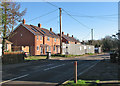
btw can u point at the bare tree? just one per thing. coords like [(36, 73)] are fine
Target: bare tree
[(10, 15), (15, 14)]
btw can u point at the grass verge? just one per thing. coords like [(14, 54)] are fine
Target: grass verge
[(35, 57), (81, 83), (53, 56)]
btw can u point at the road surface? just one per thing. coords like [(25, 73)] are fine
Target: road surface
[(46, 72)]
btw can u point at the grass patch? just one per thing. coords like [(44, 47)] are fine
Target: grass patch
[(35, 57), (82, 83), (90, 54), (60, 55), (53, 56)]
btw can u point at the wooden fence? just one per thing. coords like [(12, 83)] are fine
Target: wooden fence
[(13, 57)]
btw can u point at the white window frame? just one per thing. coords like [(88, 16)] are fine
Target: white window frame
[(55, 39), (54, 48), (37, 38), (41, 48), (48, 38), (37, 48), (40, 38)]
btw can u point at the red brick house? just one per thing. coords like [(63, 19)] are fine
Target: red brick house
[(69, 40), (39, 40)]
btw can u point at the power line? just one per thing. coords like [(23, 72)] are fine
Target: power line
[(76, 19), (52, 19), (69, 15), (51, 4), (103, 18), (42, 15), (94, 16)]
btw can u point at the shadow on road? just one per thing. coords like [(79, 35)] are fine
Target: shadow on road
[(103, 71)]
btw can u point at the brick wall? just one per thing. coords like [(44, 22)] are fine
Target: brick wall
[(38, 43), (23, 37)]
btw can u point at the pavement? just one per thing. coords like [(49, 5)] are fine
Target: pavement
[(47, 72)]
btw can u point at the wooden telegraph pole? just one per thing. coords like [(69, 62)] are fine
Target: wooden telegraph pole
[(60, 33), (75, 72)]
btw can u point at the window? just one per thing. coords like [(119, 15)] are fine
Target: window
[(50, 33), (34, 29), (40, 37), (41, 50), (43, 31), (54, 48), (37, 47), (37, 38), (55, 39), (66, 42), (80, 48), (49, 48), (45, 49), (48, 38)]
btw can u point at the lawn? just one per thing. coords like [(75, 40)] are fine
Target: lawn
[(35, 57), (53, 56), (81, 83)]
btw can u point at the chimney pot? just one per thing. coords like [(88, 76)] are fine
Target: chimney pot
[(67, 34), (23, 21), (51, 29), (72, 35), (62, 33), (39, 25)]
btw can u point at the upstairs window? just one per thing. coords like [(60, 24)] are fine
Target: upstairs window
[(66, 42), (55, 40), (43, 31), (54, 48), (37, 48), (34, 29), (40, 37), (48, 38), (37, 38)]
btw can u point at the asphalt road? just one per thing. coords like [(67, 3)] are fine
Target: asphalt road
[(45, 72)]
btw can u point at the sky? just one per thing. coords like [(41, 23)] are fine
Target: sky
[(78, 18)]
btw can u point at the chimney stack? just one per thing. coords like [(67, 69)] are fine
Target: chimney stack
[(23, 21), (67, 34), (72, 35), (39, 25), (62, 33), (51, 29)]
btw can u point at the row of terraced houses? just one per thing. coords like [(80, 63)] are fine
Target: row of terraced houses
[(39, 40)]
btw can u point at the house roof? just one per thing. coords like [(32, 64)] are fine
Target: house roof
[(8, 42), (75, 39), (41, 31), (32, 29), (72, 39)]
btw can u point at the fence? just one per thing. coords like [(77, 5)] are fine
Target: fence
[(77, 49), (13, 57)]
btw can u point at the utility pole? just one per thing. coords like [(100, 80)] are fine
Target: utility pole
[(91, 36), (60, 33), (119, 46)]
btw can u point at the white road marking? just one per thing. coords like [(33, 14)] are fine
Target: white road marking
[(14, 79), (88, 68), (53, 67)]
